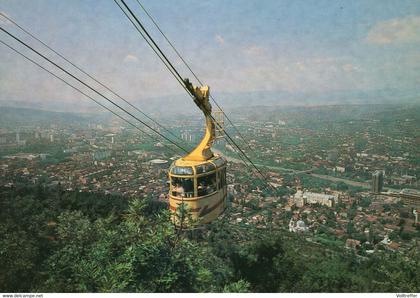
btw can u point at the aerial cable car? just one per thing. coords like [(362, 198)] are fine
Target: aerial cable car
[(198, 180)]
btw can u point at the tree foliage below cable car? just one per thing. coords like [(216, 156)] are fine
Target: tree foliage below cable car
[(56, 241)]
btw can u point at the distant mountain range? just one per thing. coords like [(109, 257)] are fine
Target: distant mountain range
[(283, 98), (182, 104), (12, 117)]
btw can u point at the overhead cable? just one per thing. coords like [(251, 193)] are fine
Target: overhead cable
[(91, 88), (178, 77), (87, 74), (80, 91), (192, 72)]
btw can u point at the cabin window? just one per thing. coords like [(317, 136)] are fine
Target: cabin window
[(219, 162), (204, 168), (206, 184), (223, 177), (182, 187), (182, 171)]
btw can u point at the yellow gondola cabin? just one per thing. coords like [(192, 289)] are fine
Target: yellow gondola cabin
[(198, 180)]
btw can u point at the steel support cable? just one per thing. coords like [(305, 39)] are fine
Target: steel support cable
[(80, 91), (159, 53), (151, 39), (164, 60), (265, 180), (91, 88), (178, 77), (192, 72), (154, 47), (90, 76)]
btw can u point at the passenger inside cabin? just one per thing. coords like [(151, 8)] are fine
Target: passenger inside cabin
[(182, 187), (178, 190)]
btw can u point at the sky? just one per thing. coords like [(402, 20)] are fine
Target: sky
[(234, 46)]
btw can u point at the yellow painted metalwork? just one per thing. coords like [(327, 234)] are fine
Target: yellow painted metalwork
[(219, 117), (201, 208), (203, 152), (198, 180)]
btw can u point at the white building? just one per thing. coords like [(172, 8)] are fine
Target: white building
[(302, 198), (297, 226), (340, 169)]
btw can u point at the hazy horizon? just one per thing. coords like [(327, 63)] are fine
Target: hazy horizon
[(275, 52)]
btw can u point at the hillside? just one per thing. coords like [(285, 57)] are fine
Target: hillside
[(14, 116)]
